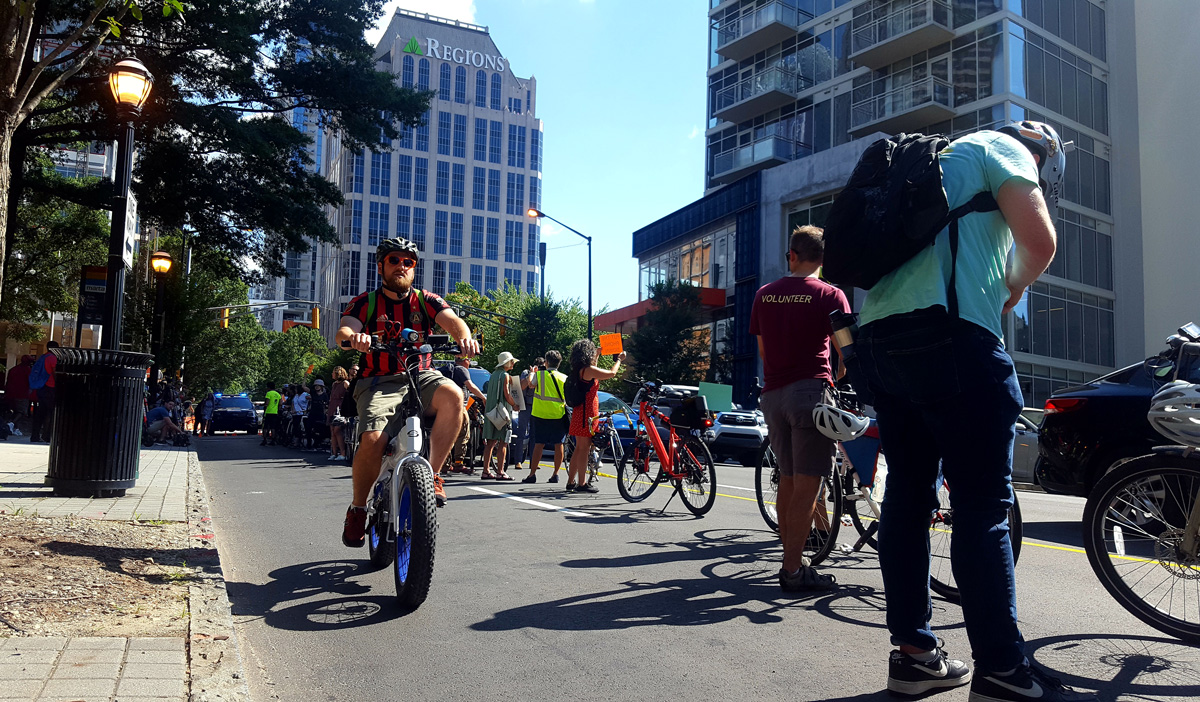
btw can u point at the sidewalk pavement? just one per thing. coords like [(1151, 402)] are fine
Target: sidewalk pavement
[(160, 493), (101, 669)]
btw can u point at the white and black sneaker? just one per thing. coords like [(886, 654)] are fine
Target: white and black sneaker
[(1025, 684), (909, 676)]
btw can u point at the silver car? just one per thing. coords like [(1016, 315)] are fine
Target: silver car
[(1025, 450)]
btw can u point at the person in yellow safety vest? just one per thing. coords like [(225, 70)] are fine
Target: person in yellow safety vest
[(550, 419)]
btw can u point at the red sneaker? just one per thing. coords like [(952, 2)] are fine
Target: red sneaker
[(354, 530), (439, 491)]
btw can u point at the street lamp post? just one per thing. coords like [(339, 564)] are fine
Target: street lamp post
[(537, 214), (130, 83), (542, 261), (161, 263)]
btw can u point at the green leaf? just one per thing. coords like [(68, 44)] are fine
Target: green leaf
[(135, 11)]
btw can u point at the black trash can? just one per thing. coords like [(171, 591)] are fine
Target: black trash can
[(97, 428)]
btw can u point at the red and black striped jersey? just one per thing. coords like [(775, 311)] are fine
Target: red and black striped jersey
[(407, 312)]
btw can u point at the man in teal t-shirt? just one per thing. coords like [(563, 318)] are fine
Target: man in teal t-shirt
[(946, 399)]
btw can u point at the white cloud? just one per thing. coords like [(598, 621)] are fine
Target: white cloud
[(696, 131), (462, 10)]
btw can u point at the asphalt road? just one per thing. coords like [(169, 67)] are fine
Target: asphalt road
[(591, 597)]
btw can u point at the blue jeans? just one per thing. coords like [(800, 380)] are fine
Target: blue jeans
[(946, 397)]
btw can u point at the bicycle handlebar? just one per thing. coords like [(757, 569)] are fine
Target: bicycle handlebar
[(410, 342)]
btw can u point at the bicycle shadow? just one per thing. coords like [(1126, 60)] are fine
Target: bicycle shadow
[(355, 608), (1068, 533), (1121, 666)]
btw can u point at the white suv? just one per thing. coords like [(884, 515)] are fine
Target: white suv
[(738, 434)]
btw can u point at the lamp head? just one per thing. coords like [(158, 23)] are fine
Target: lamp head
[(534, 213), (161, 262), (130, 83)]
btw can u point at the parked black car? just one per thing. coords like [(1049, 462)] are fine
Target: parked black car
[(234, 413), (1089, 427)]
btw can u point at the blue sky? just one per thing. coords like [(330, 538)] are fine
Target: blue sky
[(621, 90)]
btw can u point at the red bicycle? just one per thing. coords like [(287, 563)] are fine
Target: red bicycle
[(683, 460)]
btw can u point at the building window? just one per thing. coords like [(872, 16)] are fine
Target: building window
[(423, 75), (493, 201), (535, 149), (476, 237), (460, 85), (535, 192), (418, 224), (479, 188), (493, 239), (496, 91), (377, 223), (530, 282), (419, 275), (1084, 251), (350, 266), (372, 276), (516, 146), (439, 277), (443, 133), (381, 174), (353, 222), (403, 221), (1058, 322), (442, 184), (489, 280), (456, 234), (512, 278), (406, 75), (457, 184), (423, 133), (454, 276), (406, 136), (531, 258), (481, 135), (441, 226), (516, 194), (354, 173), (421, 179), (404, 177), (494, 145), (460, 136), (481, 89), (444, 82), (477, 277)]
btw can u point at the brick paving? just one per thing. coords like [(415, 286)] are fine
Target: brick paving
[(93, 669)]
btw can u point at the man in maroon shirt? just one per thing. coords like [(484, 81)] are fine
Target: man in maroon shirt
[(790, 317), (16, 388), (383, 385)]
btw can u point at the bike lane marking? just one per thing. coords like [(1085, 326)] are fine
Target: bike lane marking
[(719, 494), (535, 503)]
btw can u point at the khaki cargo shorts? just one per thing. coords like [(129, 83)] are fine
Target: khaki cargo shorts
[(799, 446), (379, 396)]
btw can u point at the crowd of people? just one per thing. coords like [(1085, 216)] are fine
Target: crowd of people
[(309, 415)]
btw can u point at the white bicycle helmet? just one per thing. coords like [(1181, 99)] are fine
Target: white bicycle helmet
[(1175, 412), (838, 424), (1048, 146)]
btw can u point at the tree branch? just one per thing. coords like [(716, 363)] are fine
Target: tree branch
[(25, 97)]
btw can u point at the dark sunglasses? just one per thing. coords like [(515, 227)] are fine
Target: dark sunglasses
[(404, 261)]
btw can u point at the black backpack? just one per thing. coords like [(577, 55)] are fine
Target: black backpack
[(893, 206), (575, 390)]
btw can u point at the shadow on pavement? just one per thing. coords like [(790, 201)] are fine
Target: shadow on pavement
[(1120, 666), (1065, 533), (354, 608)]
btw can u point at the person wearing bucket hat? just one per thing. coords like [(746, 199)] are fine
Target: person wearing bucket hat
[(398, 304), (497, 437)]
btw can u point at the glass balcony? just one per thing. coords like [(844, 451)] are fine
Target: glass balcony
[(892, 31), (767, 25), (761, 92), (906, 108), (767, 152)]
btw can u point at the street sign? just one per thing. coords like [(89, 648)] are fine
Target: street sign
[(93, 282), (130, 230)]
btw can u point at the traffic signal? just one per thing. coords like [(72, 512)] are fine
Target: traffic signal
[(225, 318), (503, 325), (316, 318)]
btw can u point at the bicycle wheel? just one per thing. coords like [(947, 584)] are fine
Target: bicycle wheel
[(637, 474), (416, 534), (766, 486), (827, 519), (380, 526), (941, 529), (1135, 524), (698, 486)]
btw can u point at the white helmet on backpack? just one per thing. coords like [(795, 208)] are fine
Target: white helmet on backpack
[(1048, 146), (1175, 412), (838, 424)]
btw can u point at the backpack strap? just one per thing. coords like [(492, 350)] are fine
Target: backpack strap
[(370, 307), (982, 202)]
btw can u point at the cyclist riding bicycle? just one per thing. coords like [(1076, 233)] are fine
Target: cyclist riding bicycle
[(396, 305)]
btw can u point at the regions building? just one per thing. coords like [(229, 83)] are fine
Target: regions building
[(798, 88)]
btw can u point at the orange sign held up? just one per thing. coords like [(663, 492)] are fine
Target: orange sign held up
[(610, 344)]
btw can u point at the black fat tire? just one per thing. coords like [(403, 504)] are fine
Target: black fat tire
[(381, 523), (766, 486), (830, 497), (628, 470), (413, 591), (1185, 474), (707, 474), (941, 579)]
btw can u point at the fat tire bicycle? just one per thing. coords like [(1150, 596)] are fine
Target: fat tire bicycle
[(402, 511), (1141, 524), (684, 461), (852, 495)]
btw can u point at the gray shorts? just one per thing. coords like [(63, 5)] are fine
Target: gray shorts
[(799, 447)]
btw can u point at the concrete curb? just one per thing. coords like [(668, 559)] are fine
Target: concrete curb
[(215, 659)]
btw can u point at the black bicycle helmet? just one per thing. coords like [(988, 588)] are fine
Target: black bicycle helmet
[(397, 244)]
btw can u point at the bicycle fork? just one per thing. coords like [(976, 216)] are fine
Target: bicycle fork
[(408, 447)]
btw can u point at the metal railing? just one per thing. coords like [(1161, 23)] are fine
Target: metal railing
[(902, 99), (872, 29), (775, 11), (764, 149), (775, 78)]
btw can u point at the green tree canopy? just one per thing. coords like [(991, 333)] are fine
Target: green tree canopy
[(666, 346), (292, 352)]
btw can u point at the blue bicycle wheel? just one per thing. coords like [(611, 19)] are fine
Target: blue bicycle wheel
[(416, 535)]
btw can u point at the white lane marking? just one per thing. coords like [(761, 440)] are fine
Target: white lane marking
[(535, 503), (734, 487)]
